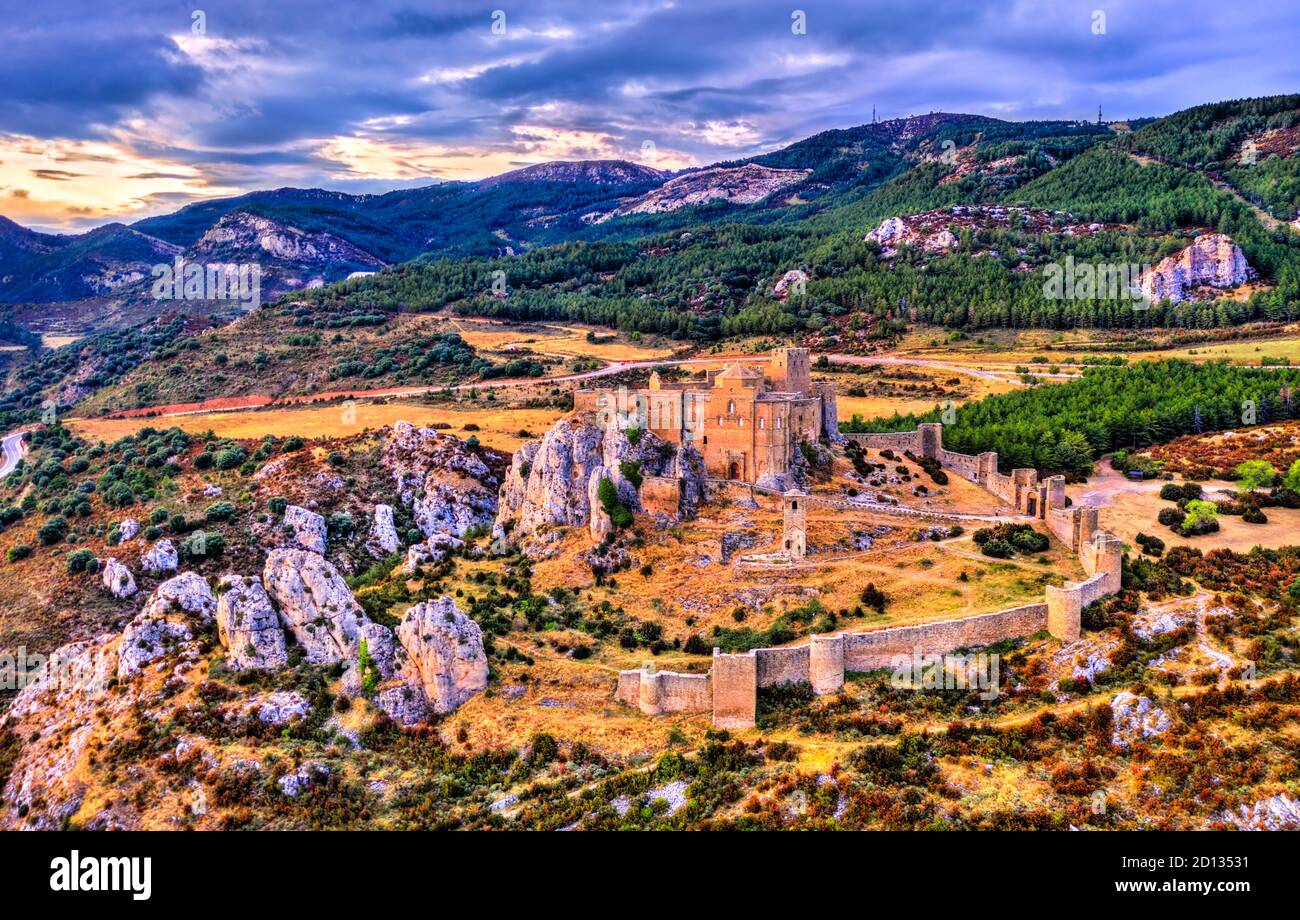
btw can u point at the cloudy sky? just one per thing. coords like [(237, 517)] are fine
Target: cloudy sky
[(115, 111)]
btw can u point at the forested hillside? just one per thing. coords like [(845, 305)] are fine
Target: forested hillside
[(1065, 426), (709, 280)]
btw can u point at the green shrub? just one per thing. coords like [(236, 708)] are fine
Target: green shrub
[(21, 551), (81, 560)]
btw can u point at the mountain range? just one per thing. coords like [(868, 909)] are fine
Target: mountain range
[(304, 238)]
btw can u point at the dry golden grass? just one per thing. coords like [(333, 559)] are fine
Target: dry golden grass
[(499, 427), (569, 340)]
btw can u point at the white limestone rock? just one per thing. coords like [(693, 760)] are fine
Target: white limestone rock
[(279, 707), (248, 625), (448, 487), (434, 549), (445, 657), (185, 593), (315, 605), (147, 638), (1212, 259), (383, 535), (308, 529), (1135, 718), (161, 557), (117, 578), (127, 530)]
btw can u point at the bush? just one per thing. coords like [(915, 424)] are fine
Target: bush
[(1254, 516), (292, 444), (277, 505), (81, 560), (998, 549), (53, 530), (1152, 546), (1171, 517), (203, 461), (230, 458), (203, 545), (219, 511), (21, 551)]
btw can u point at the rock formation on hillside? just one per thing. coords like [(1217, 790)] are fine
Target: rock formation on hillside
[(447, 486), (932, 231), (793, 279), (745, 184), (240, 236), (315, 604), (444, 654), (383, 535), (248, 626), (117, 578), (308, 529), (1212, 259), (161, 557), (552, 483)]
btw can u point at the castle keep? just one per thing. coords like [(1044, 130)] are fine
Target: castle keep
[(746, 422)]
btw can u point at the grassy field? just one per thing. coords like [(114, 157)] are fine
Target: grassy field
[(567, 340), (499, 427)]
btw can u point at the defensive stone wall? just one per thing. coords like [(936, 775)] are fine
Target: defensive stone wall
[(877, 649), (657, 692), (782, 665), (661, 495), (731, 687)]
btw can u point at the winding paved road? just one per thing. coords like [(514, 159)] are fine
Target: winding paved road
[(14, 449)]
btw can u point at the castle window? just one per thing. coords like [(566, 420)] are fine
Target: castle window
[(731, 408), (762, 423), (778, 422)]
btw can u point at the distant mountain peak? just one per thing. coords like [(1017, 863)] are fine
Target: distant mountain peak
[(599, 172)]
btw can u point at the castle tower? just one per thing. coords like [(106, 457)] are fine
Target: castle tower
[(790, 370), (794, 531)]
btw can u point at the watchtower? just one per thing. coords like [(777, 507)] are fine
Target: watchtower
[(794, 531)]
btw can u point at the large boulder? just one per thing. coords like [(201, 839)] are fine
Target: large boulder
[(383, 535), (127, 530), (447, 486), (306, 529), (434, 549), (444, 654), (162, 626), (186, 593), (161, 557), (315, 605), (117, 578), (248, 625)]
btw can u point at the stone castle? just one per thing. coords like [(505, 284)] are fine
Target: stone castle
[(730, 689), (746, 422)]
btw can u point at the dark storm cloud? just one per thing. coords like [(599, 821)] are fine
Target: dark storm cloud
[(253, 101)]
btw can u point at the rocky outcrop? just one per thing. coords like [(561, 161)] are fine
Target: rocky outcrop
[(895, 232), (117, 578), (553, 483), (745, 184), (1279, 813), (794, 280), (383, 535), (248, 625), (163, 625), (445, 658), (161, 557), (187, 593), (147, 638), (306, 529), (127, 530), (1136, 718), (447, 486), (315, 605), (1212, 260), (434, 549)]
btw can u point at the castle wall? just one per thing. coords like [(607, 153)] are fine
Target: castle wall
[(657, 692), (661, 495), (735, 690), (896, 441), (872, 650), (964, 465), (781, 665)]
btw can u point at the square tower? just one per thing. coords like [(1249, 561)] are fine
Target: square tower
[(789, 370)]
